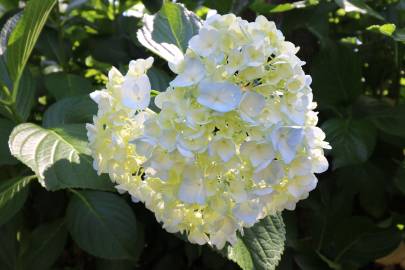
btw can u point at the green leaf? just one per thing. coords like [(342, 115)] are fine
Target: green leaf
[(358, 6), (53, 46), (112, 222), (9, 4), (359, 241), (240, 254), (13, 194), (368, 182), (6, 126), (20, 39), (72, 110), (386, 29), (167, 33), (45, 246), (159, 79), (261, 246), (23, 38), (59, 156), (61, 85), (25, 99), (389, 119), (352, 141), (336, 73)]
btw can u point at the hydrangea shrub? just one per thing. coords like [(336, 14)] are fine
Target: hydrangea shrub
[(235, 138)]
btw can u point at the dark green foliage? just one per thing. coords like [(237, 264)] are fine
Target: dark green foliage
[(52, 56)]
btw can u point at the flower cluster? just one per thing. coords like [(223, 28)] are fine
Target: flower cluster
[(235, 139)]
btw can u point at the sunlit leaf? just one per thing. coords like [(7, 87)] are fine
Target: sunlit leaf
[(386, 29), (59, 156), (167, 32)]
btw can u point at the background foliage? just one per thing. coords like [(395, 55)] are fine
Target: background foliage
[(52, 54)]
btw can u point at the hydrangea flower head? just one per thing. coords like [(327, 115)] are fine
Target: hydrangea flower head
[(235, 139)]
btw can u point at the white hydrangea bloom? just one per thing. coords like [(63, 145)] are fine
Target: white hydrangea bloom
[(235, 140)]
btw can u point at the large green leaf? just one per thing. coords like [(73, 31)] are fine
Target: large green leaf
[(336, 73), (59, 156), (102, 224), (390, 119), (61, 85), (359, 241), (261, 246), (23, 38), (17, 40), (13, 194), (73, 110), (167, 33), (44, 246), (352, 141), (6, 126), (25, 99)]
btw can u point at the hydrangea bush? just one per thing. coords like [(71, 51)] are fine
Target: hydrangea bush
[(235, 139), (216, 137)]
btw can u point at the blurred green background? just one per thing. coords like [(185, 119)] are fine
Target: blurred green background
[(354, 51)]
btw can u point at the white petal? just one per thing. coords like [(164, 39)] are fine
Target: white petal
[(252, 104), (197, 237), (192, 187), (205, 42), (184, 152), (257, 153), (248, 212), (319, 164), (219, 96), (193, 73), (286, 141), (168, 140), (135, 92), (272, 174), (143, 147), (262, 191), (140, 66)]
